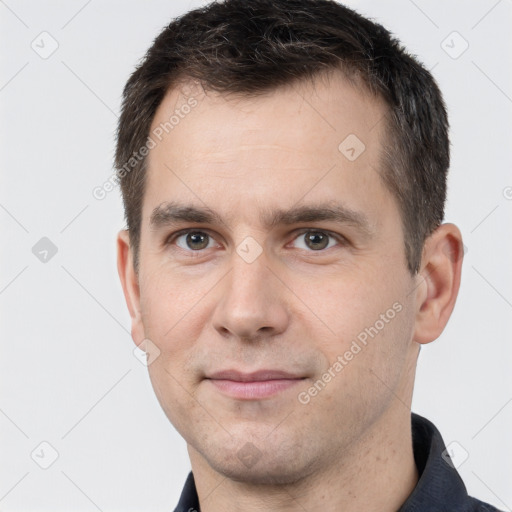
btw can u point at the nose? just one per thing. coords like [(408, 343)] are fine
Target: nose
[(252, 301)]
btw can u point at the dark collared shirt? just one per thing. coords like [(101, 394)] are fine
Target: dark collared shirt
[(439, 488)]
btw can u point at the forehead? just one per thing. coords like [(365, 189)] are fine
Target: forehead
[(324, 110), (284, 139)]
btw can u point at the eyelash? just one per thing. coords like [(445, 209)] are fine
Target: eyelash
[(342, 241)]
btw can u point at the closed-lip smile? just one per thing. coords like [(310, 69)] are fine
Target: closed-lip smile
[(253, 385)]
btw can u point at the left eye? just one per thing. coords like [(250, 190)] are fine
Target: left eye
[(315, 240)]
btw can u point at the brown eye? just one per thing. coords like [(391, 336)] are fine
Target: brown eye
[(316, 240), (197, 240), (193, 240)]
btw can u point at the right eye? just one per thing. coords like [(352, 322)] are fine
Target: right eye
[(192, 240)]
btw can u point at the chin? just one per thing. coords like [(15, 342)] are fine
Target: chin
[(264, 474), (277, 466)]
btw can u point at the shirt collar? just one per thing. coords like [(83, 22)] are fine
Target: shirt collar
[(439, 486)]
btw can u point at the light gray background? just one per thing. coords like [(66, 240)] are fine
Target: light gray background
[(68, 373)]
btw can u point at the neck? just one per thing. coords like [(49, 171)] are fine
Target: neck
[(377, 475)]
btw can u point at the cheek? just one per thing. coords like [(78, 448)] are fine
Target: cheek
[(175, 396), (176, 309), (365, 366), (171, 306), (173, 312), (370, 319)]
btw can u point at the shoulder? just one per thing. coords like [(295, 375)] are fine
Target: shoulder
[(479, 506)]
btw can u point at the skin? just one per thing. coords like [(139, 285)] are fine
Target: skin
[(296, 307)]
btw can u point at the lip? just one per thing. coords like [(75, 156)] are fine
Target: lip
[(257, 376), (254, 385)]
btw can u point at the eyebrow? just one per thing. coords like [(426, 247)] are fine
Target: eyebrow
[(170, 213)]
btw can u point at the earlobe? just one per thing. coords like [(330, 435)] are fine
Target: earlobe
[(130, 284), (440, 273)]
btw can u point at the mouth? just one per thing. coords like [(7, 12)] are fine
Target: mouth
[(255, 385)]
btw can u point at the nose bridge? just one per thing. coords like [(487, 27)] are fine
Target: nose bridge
[(250, 278), (251, 302)]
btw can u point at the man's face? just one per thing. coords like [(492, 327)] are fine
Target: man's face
[(299, 265)]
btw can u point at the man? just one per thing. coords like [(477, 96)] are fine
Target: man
[(283, 169)]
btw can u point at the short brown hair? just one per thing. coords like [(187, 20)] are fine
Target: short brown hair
[(248, 47)]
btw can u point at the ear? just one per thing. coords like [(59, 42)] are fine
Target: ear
[(439, 274), (130, 283)]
